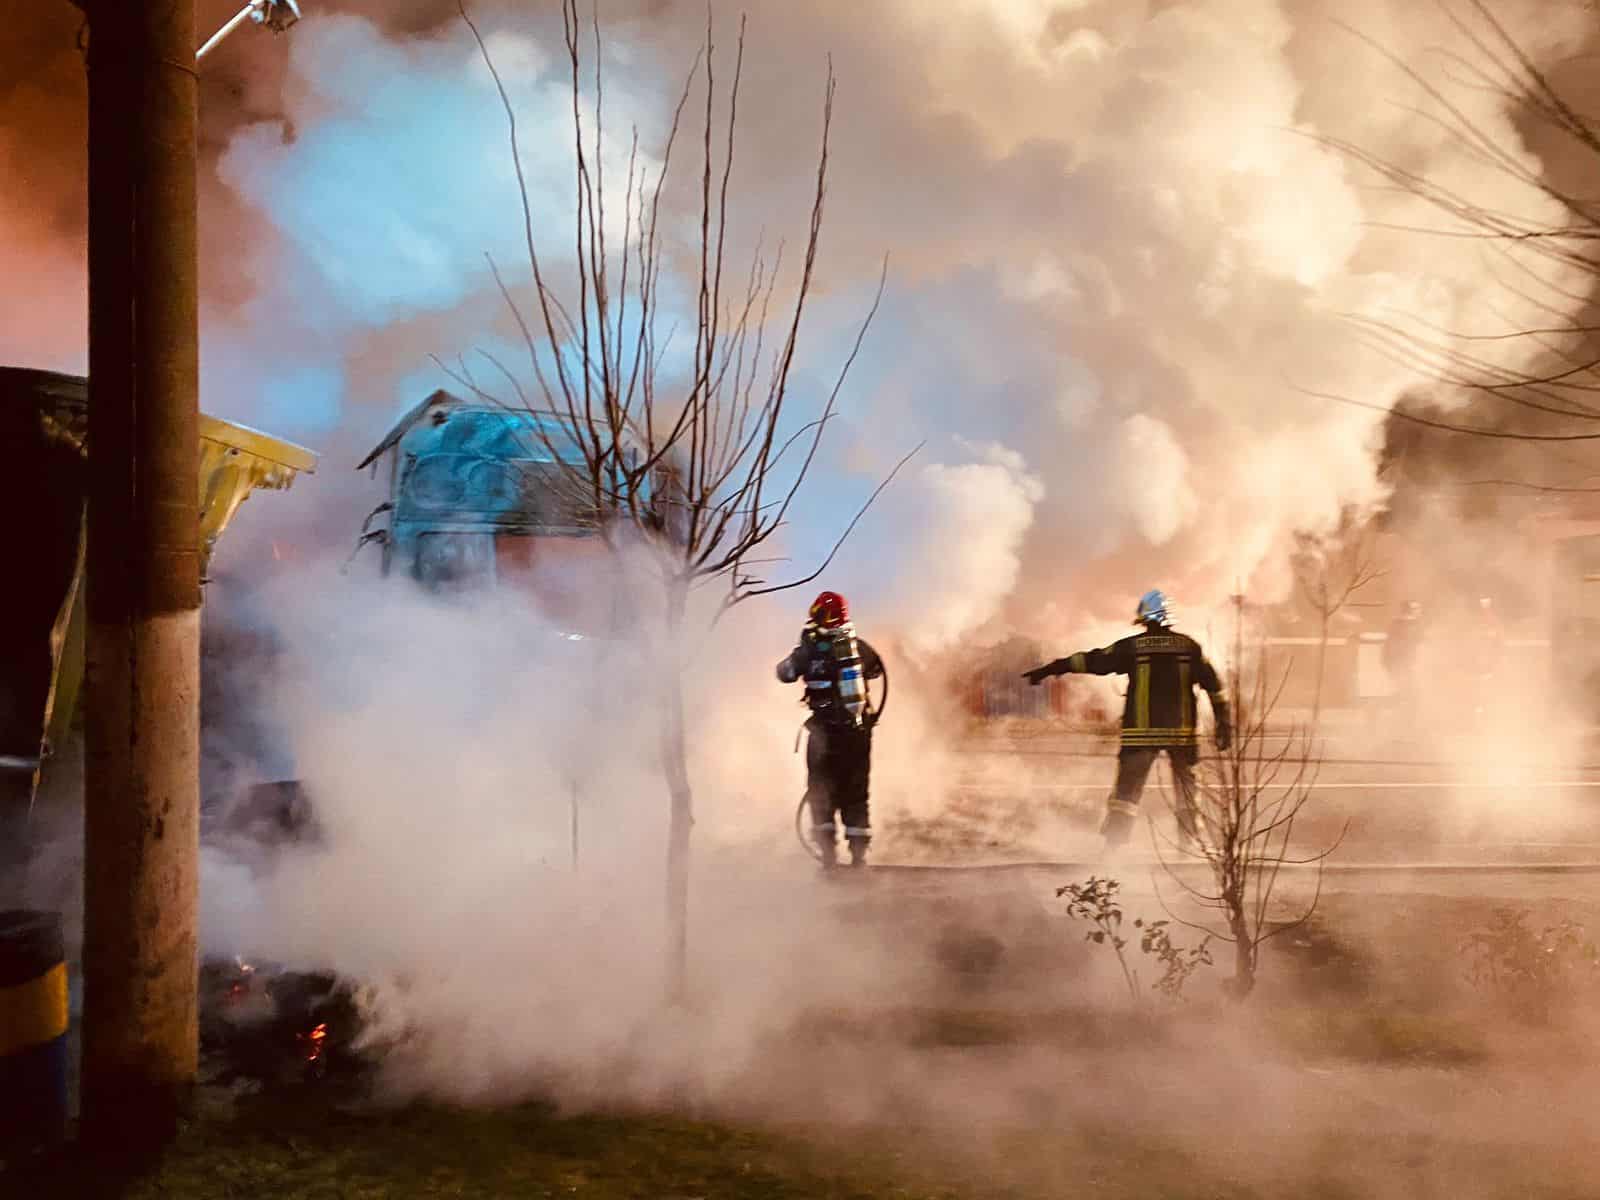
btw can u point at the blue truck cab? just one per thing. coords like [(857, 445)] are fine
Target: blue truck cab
[(484, 496)]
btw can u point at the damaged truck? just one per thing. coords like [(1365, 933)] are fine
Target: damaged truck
[(485, 496), (43, 430), (477, 497), (44, 419)]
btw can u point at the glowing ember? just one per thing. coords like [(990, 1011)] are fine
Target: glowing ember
[(240, 987), (314, 1041)]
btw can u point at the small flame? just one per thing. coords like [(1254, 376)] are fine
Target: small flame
[(314, 1041), (240, 987)]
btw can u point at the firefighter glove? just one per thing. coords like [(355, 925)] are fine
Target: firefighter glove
[(1223, 712), (1039, 674)]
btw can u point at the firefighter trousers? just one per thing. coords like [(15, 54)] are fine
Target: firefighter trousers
[(1133, 772), (838, 769)]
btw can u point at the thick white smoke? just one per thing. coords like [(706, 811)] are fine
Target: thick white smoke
[(1119, 258), (1118, 251)]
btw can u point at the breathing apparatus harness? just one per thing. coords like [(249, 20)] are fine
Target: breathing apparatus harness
[(846, 669)]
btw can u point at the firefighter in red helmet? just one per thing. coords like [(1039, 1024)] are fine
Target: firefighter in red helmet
[(834, 665), (1159, 715)]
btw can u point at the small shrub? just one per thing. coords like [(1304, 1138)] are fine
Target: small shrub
[(1095, 900), (1178, 963)]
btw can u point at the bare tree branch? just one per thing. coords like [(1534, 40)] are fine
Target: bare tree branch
[(1397, 414), (1539, 250), (701, 465), (1242, 826)]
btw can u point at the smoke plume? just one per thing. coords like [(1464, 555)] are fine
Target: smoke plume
[(1123, 263), (1120, 255)]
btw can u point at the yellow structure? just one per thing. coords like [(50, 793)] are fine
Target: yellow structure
[(34, 1019), (234, 461)]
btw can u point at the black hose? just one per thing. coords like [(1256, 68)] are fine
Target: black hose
[(883, 702), (806, 843)]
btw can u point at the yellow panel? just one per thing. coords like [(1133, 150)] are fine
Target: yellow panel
[(257, 444), (67, 654), (235, 460), (35, 1012)]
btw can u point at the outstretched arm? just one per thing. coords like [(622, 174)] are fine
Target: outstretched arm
[(1218, 694), (1109, 661)]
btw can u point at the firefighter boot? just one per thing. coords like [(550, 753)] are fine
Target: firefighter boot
[(827, 847), (1116, 828), (858, 851)]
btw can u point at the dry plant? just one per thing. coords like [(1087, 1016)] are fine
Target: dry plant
[(701, 466), (1247, 802), (1330, 569), (1095, 901)]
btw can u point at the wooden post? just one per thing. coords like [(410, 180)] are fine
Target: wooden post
[(141, 786)]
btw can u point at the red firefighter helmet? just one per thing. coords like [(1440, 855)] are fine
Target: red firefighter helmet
[(829, 610)]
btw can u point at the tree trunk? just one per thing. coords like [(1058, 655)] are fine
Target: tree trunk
[(1322, 667), (674, 758), (1244, 959), (141, 785), (1237, 896)]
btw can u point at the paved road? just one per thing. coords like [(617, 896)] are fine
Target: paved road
[(1040, 797)]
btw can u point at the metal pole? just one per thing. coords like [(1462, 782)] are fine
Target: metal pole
[(141, 785), (238, 19)]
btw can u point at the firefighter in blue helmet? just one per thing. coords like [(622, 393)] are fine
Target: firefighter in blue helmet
[(835, 665), (1163, 667)]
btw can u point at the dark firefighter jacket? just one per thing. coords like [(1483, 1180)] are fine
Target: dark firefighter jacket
[(810, 662), (1163, 669)]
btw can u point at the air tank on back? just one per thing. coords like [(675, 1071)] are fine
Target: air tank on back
[(850, 675)]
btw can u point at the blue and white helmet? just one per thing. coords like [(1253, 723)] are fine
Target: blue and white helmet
[(1153, 610)]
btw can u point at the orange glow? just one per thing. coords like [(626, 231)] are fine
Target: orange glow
[(314, 1041)]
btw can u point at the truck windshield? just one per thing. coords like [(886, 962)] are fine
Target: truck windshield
[(510, 434)]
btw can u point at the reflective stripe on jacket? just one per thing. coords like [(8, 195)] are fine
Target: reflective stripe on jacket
[(1163, 668)]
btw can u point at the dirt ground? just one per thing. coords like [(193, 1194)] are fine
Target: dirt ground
[(1365, 1065), (985, 1049)]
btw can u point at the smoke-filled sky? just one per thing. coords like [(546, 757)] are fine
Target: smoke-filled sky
[(1116, 250), (1119, 255)]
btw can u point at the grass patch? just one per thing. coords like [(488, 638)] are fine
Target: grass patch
[(1379, 1036), (1365, 1034), (946, 1027), (298, 1146), (1370, 1035)]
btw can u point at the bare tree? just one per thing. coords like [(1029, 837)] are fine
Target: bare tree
[(701, 466), (1330, 569), (1248, 801), (1531, 375)]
